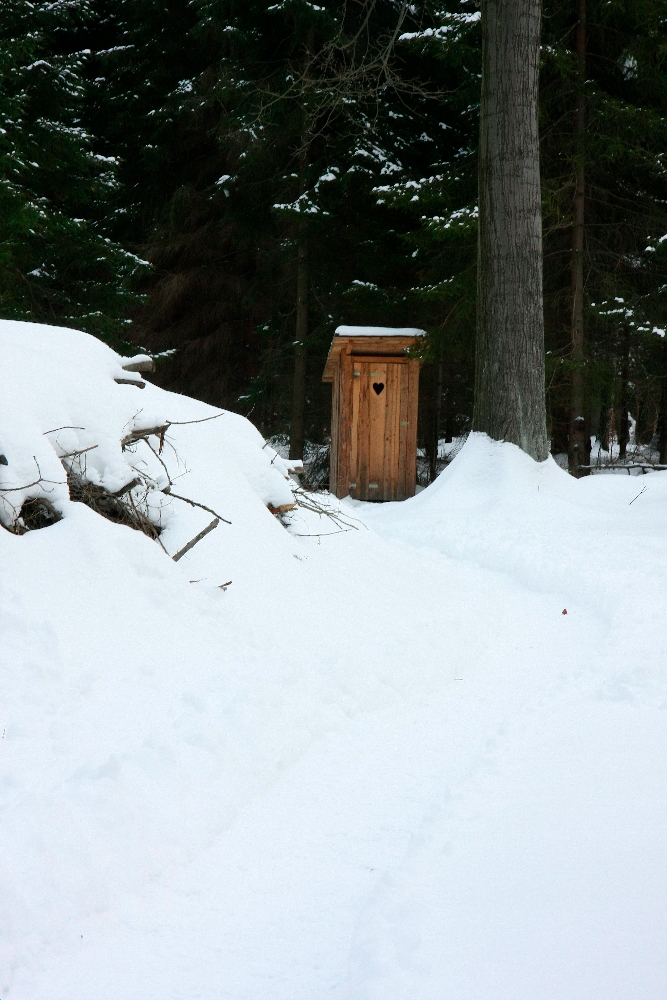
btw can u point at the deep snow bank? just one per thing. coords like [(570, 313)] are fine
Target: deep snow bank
[(61, 407), (382, 765)]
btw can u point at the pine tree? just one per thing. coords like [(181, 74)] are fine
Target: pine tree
[(282, 145), (603, 144), (55, 263)]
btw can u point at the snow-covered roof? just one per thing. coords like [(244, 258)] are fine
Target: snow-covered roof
[(378, 331)]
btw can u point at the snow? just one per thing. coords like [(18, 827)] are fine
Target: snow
[(382, 765), (378, 331)]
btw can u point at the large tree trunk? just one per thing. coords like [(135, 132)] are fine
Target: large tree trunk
[(298, 422), (509, 376), (577, 451)]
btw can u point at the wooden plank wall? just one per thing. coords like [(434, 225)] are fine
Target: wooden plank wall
[(374, 437)]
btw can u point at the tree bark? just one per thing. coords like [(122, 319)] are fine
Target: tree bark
[(604, 427), (298, 422), (624, 402), (509, 366), (662, 418), (577, 452)]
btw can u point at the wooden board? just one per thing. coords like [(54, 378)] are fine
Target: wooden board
[(371, 346)]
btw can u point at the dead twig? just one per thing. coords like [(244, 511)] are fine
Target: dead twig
[(160, 460), (306, 501), (73, 454), (36, 482), (182, 423), (321, 534), (143, 433), (191, 544), (67, 427), (193, 503)]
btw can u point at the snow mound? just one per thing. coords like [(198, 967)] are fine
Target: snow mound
[(497, 507), (67, 404)]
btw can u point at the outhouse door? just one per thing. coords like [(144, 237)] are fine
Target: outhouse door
[(383, 429)]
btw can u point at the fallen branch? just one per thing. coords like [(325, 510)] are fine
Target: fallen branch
[(140, 363), (630, 465), (193, 503), (130, 381), (182, 423), (202, 534), (67, 427), (128, 486), (73, 454), (141, 433)]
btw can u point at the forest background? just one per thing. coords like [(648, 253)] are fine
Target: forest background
[(222, 183)]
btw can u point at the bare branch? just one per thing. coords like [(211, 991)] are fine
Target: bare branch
[(73, 454), (182, 423), (15, 489), (159, 457), (191, 544), (193, 503), (67, 427)]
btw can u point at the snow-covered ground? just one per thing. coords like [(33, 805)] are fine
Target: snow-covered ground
[(383, 764)]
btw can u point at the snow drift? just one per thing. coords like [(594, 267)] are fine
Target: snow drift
[(382, 764)]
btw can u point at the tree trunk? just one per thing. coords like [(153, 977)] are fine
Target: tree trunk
[(604, 426), (298, 422), (509, 366), (624, 402), (577, 452), (662, 420)]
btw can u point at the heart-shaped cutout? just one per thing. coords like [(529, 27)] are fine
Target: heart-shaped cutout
[(378, 386)]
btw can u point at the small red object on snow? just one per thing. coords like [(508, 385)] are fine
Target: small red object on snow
[(564, 611)]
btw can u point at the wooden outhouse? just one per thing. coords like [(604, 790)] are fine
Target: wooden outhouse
[(374, 412)]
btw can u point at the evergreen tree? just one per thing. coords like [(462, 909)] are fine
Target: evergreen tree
[(55, 263), (277, 138), (604, 93)]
